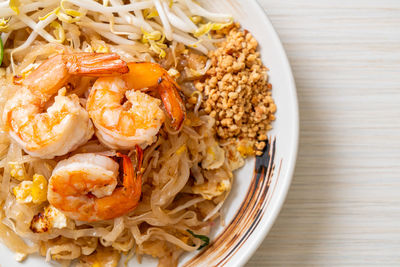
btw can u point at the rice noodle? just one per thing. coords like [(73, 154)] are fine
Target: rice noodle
[(158, 233), (90, 232), (116, 231), (63, 252), (198, 103), (124, 242), (24, 159), (187, 205), (213, 212)]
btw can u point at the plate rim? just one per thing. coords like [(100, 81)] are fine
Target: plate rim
[(265, 229), (239, 255)]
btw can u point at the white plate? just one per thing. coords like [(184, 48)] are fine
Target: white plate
[(255, 201)]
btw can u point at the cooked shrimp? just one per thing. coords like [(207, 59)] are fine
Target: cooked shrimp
[(152, 76), (138, 120), (65, 124), (84, 187), (52, 74)]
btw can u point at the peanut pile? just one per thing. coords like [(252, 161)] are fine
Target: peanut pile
[(237, 92)]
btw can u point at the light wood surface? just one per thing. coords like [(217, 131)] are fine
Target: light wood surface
[(343, 208)]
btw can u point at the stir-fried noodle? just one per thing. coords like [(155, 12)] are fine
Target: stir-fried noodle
[(186, 175)]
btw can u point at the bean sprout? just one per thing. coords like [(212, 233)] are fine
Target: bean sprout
[(116, 21)]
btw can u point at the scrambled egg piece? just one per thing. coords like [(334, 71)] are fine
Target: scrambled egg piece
[(100, 48), (173, 73), (223, 186), (23, 191), (18, 256), (17, 171), (210, 190), (50, 218), (97, 46), (39, 189), (191, 118), (245, 150), (214, 159), (32, 191), (235, 159), (181, 149), (102, 257), (57, 218), (39, 224)]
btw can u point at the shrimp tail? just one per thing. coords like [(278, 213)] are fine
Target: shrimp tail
[(173, 104), (126, 198), (52, 74), (149, 76), (96, 64), (139, 159), (132, 177)]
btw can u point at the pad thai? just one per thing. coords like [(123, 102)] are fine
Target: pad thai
[(121, 125)]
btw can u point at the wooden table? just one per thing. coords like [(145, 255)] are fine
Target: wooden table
[(343, 208)]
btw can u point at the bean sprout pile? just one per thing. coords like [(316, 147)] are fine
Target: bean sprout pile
[(151, 22)]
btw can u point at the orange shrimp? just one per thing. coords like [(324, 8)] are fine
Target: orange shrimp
[(137, 121), (83, 187), (47, 132), (153, 77), (52, 74)]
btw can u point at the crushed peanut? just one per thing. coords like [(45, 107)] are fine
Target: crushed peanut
[(237, 93)]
